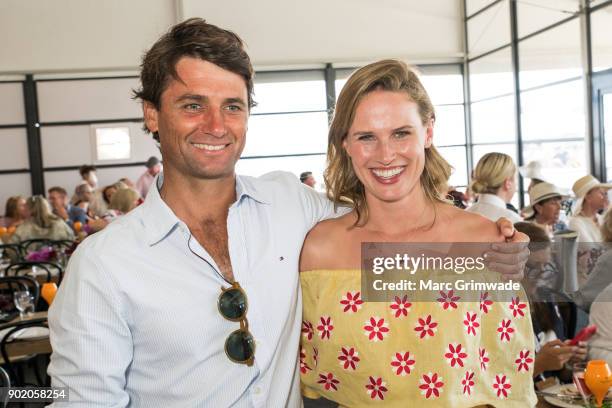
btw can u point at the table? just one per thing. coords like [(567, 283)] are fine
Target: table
[(26, 346)]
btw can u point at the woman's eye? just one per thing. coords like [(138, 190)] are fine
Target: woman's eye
[(365, 137), (401, 134)]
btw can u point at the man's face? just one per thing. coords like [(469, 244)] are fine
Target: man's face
[(56, 199), (92, 179), (310, 181), (202, 120), (154, 171)]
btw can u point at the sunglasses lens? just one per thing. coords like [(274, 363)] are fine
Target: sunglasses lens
[(233, 304), (240, 346)]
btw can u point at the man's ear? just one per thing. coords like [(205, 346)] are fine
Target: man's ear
[(150, 114)]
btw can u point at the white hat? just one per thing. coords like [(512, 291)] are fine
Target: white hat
[(532, 170), (540, 192), (582, 186)]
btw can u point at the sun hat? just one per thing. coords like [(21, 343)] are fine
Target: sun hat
[(581, 188), (540, 192)]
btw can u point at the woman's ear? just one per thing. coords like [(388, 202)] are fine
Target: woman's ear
[(429, 133)]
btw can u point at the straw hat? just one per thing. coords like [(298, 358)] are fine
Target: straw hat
[(582, 186), (539, 193), (532, 170)]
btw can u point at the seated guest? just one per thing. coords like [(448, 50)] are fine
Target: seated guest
[(15, 213), (122, 202), (83, 197), (58, 199), (553, 315), (107, 193), (144, 182), (494, 181), (129, 183), (544, 206), (600, 345), (42, 223), (601, 275), (591, 199)]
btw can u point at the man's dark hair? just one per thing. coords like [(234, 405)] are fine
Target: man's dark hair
[(191, 38), (58, 190), (86, 169), (305, 175)]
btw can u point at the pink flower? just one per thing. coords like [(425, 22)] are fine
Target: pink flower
[(431, 384), (307, 330), (326, 327), (376, 329), (468, 383), (455, 355), (376, 388), (485, 303), (328, 381), (426, 327), (349, 357), (351, 302), (303, 366), (484, 358), (448, 300), (517, 307), (523, 360), (501, 386), (471, 323), (402, 363), (504, 330), (401, 306)]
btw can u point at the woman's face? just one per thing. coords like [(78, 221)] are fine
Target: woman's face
[(108, 193), (386, 143), (598, 198), (549, 210), (22, 209)]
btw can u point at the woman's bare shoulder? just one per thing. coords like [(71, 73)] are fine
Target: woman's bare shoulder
[(466, 226), (324, 243)]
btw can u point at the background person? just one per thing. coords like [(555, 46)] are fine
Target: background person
[(544, 206), (42, 223), (591, 199), (15, 212), (60, 204), (308, 179), (145, 181)]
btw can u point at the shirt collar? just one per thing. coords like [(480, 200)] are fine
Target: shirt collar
[(492, 199), (159, 219)]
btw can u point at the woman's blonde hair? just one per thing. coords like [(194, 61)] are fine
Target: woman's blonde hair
[(606, 227), (40, 212), (124, 200), (343, 186), (491, 172)]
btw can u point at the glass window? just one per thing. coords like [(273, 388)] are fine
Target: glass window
[(552, 56), (533, 15), (607, 119), (295, 165), (450, 125), (112, 143), (481, 150), (456, 157), (473, 6), (489, 30), (554, 112), (494, 121), (562, 163), (491, 76), (601, 38), (286, 134), (294, 91)]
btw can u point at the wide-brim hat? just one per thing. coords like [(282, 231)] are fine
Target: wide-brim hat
[(581, 188), (540, 192), (532, 170)]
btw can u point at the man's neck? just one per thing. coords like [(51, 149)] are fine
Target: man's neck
[(195, 200)]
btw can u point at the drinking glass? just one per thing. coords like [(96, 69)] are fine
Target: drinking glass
[(578, 370), (24, 302)]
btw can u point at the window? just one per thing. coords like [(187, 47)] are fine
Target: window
[(111, 143)]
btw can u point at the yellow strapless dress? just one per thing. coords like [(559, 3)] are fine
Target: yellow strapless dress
[(446, 354)]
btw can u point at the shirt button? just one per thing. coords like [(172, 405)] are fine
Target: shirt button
[(257, 390)]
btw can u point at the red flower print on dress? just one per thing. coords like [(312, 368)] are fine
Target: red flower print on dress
[(502, 386), (504, 330), (401, 306), (455, 355), (448, 300), (328, 381), (402, 363), (376, 388), (431, 384), (468, 382), (426, 327), (352, 302), (349, 358), (471, 323), (484, 358), (325, 327), (485, 302), (307, 330), (303, 366), (376, 329), (517, 307), (523, 360)]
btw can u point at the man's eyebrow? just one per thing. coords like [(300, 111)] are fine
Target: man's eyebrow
[(191, 97), (238, 101)]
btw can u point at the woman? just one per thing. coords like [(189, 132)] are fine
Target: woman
[(122, 202), (42, 223), (382, 162), (495, 183), (16, 212), (592, 198), (544, 207)]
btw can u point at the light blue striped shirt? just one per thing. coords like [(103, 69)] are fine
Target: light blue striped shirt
[(135, 322)]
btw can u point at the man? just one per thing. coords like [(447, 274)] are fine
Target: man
[(140, 319), (154, 167), (58, 198), (308, 179), (88, 175), (97, 205)]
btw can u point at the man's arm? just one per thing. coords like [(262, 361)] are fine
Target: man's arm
[(91, 341)]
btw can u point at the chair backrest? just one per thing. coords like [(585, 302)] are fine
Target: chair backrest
[(12, 252), (13, 283), (5, 383), (12, 346), (15, 269), (35, 244)]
